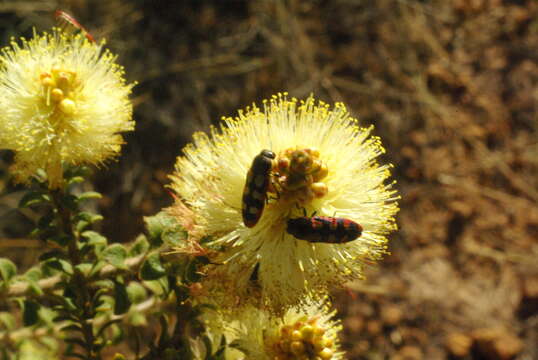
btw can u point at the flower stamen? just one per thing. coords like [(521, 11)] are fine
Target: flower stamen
[(297, 175), (304, 340), (59, 85)]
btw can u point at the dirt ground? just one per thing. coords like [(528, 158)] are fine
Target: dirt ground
[(452, 89)]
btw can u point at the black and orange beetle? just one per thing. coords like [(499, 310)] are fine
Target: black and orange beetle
[(324, 229), (256, 185)]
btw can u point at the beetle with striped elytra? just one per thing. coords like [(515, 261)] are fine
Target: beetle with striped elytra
[(324, 229), (256, 186)]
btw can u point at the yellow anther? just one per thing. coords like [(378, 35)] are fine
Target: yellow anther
[(301, 161), (314, 152), (68, 106), (57, 94), (320, 189), (285, 330), (63, 80), (326, 354), (327, 342), (296, 335), (318, 345), (307, 332), (48, 81), (322, 172), (319, 331), (44, 75)]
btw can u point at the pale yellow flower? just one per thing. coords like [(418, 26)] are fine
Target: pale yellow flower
[(308, 332), (341, 178), (63, 100)]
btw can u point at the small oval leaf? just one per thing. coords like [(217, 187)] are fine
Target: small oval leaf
[(7, 269), (152, 269), (115, 255)]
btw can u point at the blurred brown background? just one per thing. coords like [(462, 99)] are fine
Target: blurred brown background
[(452, 88)]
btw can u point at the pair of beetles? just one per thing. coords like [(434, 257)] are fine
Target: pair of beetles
[(315, 229)]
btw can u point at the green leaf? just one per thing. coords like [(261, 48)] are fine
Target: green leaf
[(106, 325), (96, 267), (75, 180), (152, 268), (155, 286), (33, 274), (174, 237), (84, 268), (137, 319), (140, 246), (47, 315), (7, 320), (69, 298), (35, 290), (122, 303), (30, 312), (98, 241), (83, 219), (7, 269), (115, 255), (59, 264), (81, 225), (104, 284), (136, 292), (33, 198), (159, 224), (105, 303), (88, 217), (89, 195)]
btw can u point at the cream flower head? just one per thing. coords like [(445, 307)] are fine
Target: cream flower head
[(324, 163), (309, 332), (63, 100)]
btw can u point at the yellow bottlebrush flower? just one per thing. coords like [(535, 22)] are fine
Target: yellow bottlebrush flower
[(63, 100), (324, 163), (308, 333)]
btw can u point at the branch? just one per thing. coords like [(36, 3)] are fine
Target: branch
[(31, 332), (49, 284)]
